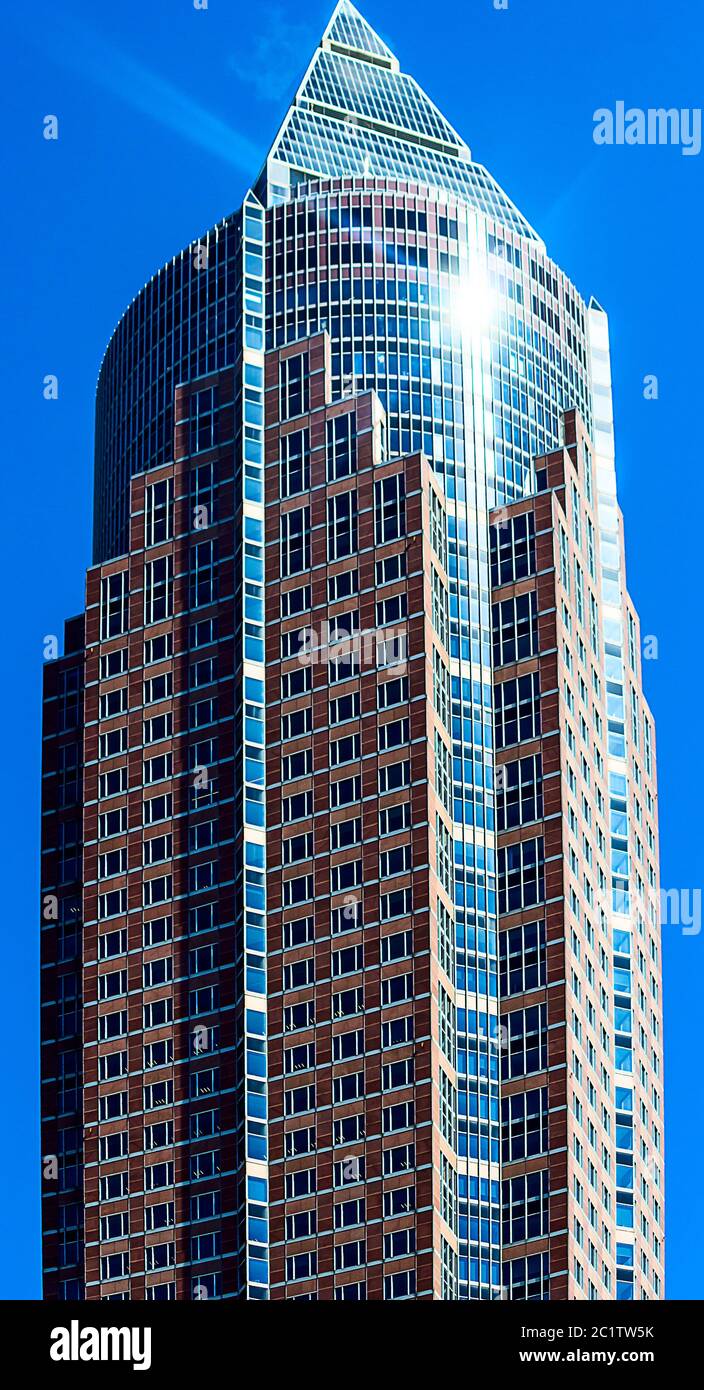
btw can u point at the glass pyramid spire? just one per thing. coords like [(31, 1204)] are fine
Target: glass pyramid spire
[(355, 114), (348, 32)]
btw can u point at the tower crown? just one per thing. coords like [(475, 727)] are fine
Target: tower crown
[(356, 114)]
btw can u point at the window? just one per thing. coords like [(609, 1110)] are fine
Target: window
[(521, 875), (525, 1206), (389, 570), (564, 560), (441, 688), (576, 516), (514, 629), (158, 688), (393, 692), (519, 792), (158, 648), (159, 1216), (202, 419), (156, 769), (347, 1003), (200, 634), (398, 1286), (342, 586), (297, 724), (112, 1106), (296, 765), (114, 1266), (524, 1125), (112, 743), (389, 509), (157, 1014), (293, 385), (443, 772), (299, 1016), (345, 792), (345, 750), (347, 918), (112, 904), (512, 549), (352, 1213), (394, 776), (203, 574), (299, 974), (157, 972), (438, 528), (522, 958), (528, 1280), (344, 833), (526, 1049), (390, 611), (296, 848), (157, 512), (517, 710), (346, 1046), (69, 852), (350, 1255), (295, 601), (439, 601), (158, 728), (298, 682), (393, 735), (157, 1094), (160, 1256), (398, 1117), (112, 1146), (341, 442), (113, 664), (299, 1100), (112, 783), (301, 1224), (296, 642), (354, 1292), (395, 861), (345, 708), (113, 605), (156, 808), (158, 580), (342, 525), (113, 1187), (112, 943), (301, 1266), (295, 541), (399, 1202), (396, 989), (347, 961), (297, 807), (203, 495), (114, 702), (300, 1183), (294, 463)]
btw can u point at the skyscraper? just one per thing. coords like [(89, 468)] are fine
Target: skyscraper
[(350, 940)]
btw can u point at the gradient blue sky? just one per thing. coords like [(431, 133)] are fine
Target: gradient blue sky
[(166, 113)]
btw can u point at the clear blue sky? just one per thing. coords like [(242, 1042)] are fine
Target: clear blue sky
[(165, 115)]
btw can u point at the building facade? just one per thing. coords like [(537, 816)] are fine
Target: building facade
[(351, 976)]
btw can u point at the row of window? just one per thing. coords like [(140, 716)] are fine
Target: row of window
[(295, 529), (341, 455)]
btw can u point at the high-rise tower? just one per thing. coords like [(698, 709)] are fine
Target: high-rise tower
[(350, 934)]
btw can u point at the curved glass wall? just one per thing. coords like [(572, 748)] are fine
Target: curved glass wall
[(475, 343), (186, 322)]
